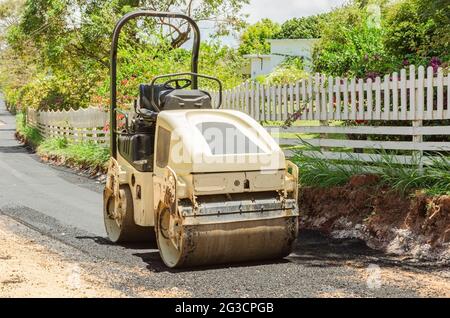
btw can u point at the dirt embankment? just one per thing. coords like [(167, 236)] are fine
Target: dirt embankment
[(413, 225)]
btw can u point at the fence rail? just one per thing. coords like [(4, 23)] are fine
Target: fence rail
[(76, 125)]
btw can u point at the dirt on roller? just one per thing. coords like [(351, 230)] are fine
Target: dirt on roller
[(412, 224)]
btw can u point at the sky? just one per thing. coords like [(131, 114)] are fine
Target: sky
[(280, 11)]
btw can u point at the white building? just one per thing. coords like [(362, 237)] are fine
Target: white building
[(262, 64)]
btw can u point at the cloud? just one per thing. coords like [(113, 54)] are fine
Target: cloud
[(282, 10)]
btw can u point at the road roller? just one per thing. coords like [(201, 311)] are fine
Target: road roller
[(210, 185)]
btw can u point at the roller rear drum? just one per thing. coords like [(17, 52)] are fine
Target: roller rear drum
[(239, 241), (119, 219)]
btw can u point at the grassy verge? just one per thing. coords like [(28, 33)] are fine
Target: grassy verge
[(433, 179), (84, 154), (30, 135)]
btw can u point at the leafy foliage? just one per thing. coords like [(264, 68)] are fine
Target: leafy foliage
[(351, 46), (301, 28), (30, 134), (59, 49), (418, 30), (290, 71), (254, 38), (408, 32)]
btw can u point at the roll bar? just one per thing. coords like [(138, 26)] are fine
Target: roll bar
[(113, 60)]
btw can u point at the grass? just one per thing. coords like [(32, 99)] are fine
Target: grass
[(31, 135), (86, 154), (433, 179)]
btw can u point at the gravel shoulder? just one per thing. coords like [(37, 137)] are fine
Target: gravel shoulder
[(34, 265), (29, 269)]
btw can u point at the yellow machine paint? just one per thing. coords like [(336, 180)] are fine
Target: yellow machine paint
[(215, 187)]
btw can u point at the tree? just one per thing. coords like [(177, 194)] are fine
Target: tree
[(76, 24), (301, 28), (254, 38), (351, 46), (224, 15), (15, 70), (70, 42), (418, 30)]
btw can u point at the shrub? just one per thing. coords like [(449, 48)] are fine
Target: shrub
[(288, 72), (30, 134), (254, 38), (351, 46), (301, 28), (418, 30)]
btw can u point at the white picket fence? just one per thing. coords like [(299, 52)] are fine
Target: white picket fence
[(76, 125), (394, 97), (422, 96)]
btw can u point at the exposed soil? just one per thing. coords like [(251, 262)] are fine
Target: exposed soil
[(413, 225)]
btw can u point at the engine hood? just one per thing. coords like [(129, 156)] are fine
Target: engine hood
[(217, 141)]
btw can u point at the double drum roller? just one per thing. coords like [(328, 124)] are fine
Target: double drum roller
[(210, 185)]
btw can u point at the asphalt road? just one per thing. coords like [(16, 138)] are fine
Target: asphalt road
[(63, 210)]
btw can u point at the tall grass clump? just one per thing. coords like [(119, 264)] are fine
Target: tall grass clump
[(432, 178), (30, 134)]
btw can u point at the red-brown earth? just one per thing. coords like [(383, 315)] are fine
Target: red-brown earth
[(412, 224)]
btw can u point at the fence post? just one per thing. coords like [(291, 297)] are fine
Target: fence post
[(256, 102), (246, 95), (440, 93), (284, 105), (325, 123), (417, 139)]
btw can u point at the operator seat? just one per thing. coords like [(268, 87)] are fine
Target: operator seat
[(169, 98)]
